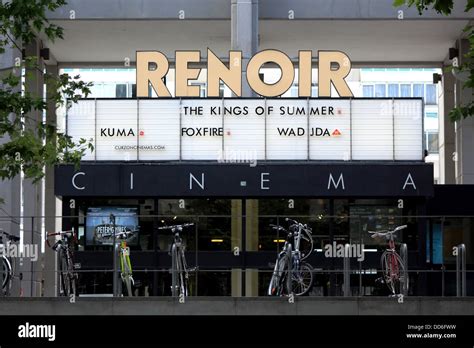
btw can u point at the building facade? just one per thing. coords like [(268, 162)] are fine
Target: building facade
[(232, 200)]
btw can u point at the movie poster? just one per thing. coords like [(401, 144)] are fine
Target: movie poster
[(100, 226)]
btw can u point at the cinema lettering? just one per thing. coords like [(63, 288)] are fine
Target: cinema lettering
[(153, 66)]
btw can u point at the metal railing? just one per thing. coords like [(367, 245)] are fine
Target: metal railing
[(345, 276), (461, 271)]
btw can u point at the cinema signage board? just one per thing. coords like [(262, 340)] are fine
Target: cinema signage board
[(168, 129)]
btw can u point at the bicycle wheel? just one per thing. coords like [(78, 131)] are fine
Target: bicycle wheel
[(286, 286), (126, 278), (393, 271), (182, 274), (302, 279), (66, 273), (279, 276), (279, 269), (306, 244), (7, 271)]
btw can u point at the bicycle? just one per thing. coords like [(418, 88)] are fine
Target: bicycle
[(8, 265), (125, 264), (290, 274), (179, 267), (393, 268), (64, 248)]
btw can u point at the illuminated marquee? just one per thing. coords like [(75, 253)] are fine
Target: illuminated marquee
[(256, 128)]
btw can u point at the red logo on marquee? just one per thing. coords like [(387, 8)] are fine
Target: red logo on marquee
[(336, 133)]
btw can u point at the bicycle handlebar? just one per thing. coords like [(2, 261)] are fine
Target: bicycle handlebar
[(61, 233), (386, 232), (10, 236), (398, 228), (171, 227), (69, 233), (277, 227), (305, 226), (124, 235)]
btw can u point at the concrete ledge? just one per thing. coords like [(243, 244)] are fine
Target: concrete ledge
[(238, 306)]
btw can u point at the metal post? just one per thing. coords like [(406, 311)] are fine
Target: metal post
[(458, 278), (442, 280), (346, 272), (1, 264), (173, 270), (404, 257), (114, 258), (461, 271)]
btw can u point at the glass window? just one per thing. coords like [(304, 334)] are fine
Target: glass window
[(121, 91), (368, 91), (221, 90), (405, 91), (274, 211), (212, 230), (393, 90), (430, 94), (432, 114), (294, 91), (432, 142), (418, 90), (380, 91), (314, 91)]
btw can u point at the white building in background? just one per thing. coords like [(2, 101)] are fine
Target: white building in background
[(405, 83)]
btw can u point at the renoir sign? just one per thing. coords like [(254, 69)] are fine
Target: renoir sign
[(271, 129)]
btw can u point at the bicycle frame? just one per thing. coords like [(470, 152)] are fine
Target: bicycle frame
[(66, 254), (394, 267), (179, 268), (9, 264), (294, 261), (390, 261), (126, 267)]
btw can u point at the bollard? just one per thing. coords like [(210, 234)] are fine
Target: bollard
[(404, 257), (346, 270), (461, 271)]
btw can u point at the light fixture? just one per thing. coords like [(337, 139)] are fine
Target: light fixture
[(453, 53), (437, 78), (217, 240), (44, 53), (278, 241)]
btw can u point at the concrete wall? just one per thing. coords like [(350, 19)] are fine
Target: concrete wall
[(221, 9), (238, 306)]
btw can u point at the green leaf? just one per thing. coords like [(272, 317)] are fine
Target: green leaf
[(469, 5), (398, 3)]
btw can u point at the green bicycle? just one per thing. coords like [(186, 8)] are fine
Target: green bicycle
[(126, 272)]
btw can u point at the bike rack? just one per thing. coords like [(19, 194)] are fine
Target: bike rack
[(1, 272), (404, 257), (173, 271), (346, 271), (115, 282), (461, 271)]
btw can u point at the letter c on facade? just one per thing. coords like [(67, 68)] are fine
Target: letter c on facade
[(74, 181)]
